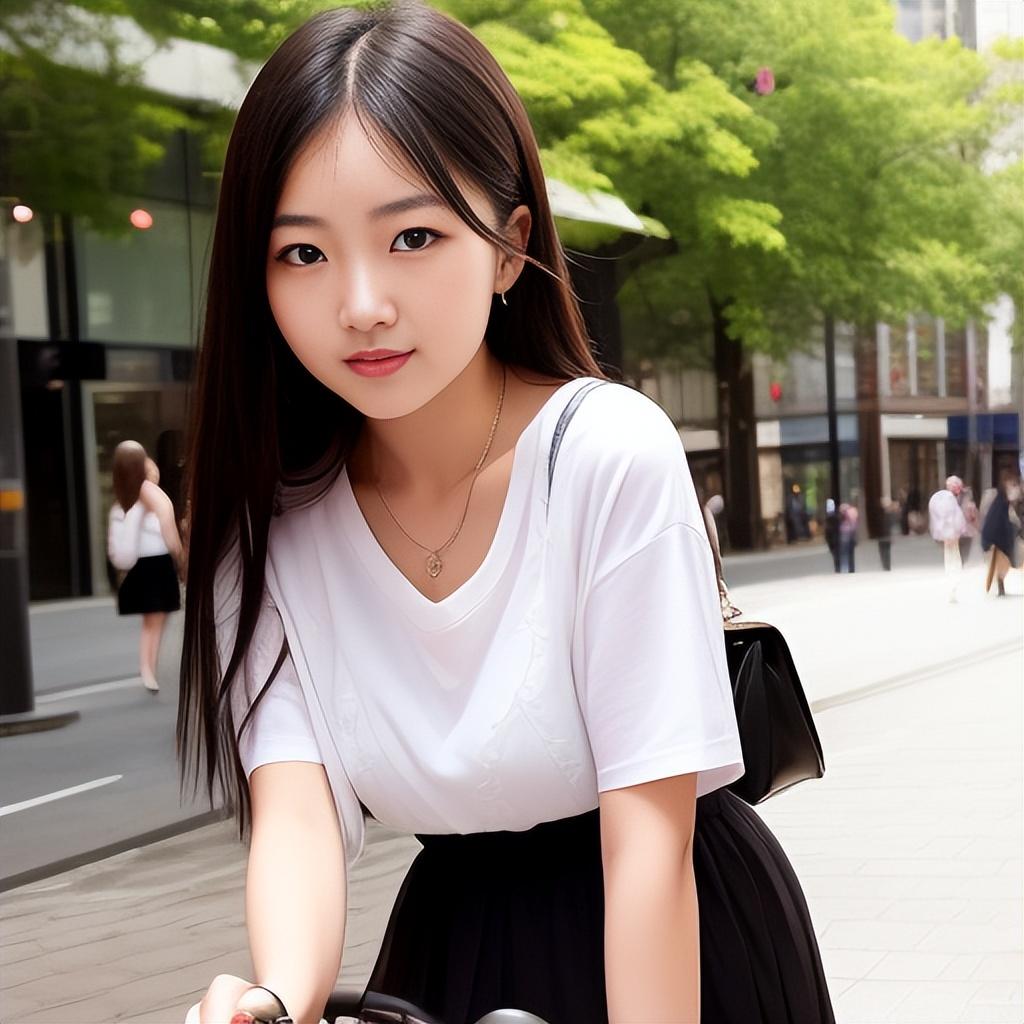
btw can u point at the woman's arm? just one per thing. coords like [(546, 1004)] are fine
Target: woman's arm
[(652, 939), (295, 893), (157, 501)]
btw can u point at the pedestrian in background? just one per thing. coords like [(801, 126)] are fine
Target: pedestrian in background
[(832, 531), (848, 519), (999, 531), (143, 542), (796, 516), (915, 521), (947, 524), (972, 523)]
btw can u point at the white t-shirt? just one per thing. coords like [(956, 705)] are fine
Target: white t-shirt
[(585, 654)]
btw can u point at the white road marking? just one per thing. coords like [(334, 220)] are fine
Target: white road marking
[(60, 794), (82, 691)]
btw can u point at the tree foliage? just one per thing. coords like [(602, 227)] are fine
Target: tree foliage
[(869, 188), (858, 187)]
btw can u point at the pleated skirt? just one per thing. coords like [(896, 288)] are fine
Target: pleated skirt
[(515, 920)]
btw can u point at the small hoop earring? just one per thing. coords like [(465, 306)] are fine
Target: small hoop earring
[(504, 301)]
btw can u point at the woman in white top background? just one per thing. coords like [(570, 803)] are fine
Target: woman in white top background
[(387, 612), (143, 542)]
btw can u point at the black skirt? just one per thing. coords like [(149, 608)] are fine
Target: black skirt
[(151, 585), (516, 920)]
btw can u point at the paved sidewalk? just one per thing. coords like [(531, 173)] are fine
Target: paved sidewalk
[(139, 936), (909, 849)]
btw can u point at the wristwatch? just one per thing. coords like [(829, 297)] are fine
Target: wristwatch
[(258, 1005)]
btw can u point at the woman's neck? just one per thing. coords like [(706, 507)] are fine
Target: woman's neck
[(436, 448)]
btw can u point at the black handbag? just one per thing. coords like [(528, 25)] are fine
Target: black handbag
[(777, 734)]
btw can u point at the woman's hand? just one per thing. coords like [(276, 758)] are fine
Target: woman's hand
[(218, 1005)]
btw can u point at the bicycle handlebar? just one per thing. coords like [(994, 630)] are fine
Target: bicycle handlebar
[(376, 1008), (369, 1008)]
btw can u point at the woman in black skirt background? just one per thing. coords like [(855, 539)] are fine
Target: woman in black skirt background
[(143, 542)]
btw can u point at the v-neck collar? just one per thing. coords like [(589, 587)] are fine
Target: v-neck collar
[(424, 612)]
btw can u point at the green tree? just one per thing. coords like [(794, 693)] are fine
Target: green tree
[(73, 136), (868, 198)]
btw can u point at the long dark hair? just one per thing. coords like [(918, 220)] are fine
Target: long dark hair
[(264, 429)]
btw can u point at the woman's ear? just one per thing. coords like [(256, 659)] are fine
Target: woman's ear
[(517, 231)]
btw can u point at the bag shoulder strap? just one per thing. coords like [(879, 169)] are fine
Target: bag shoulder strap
[(563, 421), (729, 610)]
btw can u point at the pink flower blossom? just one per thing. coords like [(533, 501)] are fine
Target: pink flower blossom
[(765, 82)]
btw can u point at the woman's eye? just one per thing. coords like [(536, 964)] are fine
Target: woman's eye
[(306, 255), (413, 239)]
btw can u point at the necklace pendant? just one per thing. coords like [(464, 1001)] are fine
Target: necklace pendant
[(434, 566)]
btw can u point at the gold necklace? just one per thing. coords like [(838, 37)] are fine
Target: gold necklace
[(434, 563)]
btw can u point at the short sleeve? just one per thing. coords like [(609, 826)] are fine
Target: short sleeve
[(280, 728), (654, 687), (649, 658)]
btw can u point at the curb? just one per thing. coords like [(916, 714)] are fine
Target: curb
[(58, 867)]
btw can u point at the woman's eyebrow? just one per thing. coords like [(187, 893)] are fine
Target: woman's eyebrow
[(297, 220), (417, 202)]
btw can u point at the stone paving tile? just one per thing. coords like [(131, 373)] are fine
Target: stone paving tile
[(870, 1002), (1001, 967), (962, 967), (979, 938), (849, 964), (879, 935), (911, 967), (948, 909), (989, 1014), (938, 1002)]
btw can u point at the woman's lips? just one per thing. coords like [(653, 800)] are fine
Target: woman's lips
[(378, 367)]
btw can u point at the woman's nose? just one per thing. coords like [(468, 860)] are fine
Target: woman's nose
[(364, 301)]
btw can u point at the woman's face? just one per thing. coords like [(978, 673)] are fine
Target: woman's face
[(362, 257)]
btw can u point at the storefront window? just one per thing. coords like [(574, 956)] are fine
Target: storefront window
[(956, 362), (142, 288), (918, 19), (899, 361), (981, 362), (914, 476), (927, 356), (23, 245)]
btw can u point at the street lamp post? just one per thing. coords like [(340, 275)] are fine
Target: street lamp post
[(833, 418), (17, 700)]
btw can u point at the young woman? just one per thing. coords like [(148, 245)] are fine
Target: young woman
[(142, 538), (390, 614)]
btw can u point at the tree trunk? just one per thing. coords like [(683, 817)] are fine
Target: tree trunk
[(869, 430), (737, 428)]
